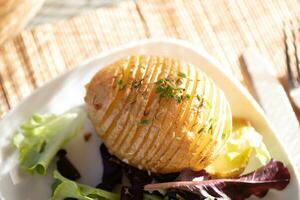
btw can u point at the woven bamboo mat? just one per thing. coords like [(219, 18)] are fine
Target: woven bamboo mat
[(223, 28)]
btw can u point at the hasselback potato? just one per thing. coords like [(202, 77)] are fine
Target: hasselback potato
[(158, 113)]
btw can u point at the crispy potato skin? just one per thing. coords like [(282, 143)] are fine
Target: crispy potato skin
[(158, 114)]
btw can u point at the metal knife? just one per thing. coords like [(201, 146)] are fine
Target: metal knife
[(273, 99)]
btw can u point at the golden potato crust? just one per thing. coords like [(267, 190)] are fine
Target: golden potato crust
[(158, 113)]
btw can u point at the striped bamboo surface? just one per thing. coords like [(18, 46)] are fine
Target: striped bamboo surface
[(224, 28)]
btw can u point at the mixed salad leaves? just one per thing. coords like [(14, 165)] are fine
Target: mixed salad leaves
[(42, 137)]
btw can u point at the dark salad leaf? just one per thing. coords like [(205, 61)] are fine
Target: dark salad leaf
[(65, 167), (114, 170), (126, 193), (173, 194), (274, 175), (138, 178), (112, 174), (189, 175), (131, 193), (166, 177)]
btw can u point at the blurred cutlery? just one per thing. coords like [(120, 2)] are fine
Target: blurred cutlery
[(272, 97)]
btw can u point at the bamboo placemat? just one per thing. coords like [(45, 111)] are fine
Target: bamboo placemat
[(55, 10), (223, 28)]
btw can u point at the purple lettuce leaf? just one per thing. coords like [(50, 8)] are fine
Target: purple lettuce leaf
[(190, 175), (274, 175)]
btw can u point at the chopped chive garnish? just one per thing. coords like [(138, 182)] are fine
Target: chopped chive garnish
[(181, 74), (167, 89), (177, 99), (120, 84), (145, 122), (202, 101), (210, 126), (223, 136), (198, 97), (201, 129), (187, 96)]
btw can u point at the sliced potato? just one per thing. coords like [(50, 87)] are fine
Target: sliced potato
[(149, 113), (171, 110), (138, 130), (111, 104), (153, 138), (142, 94), (155, 124), (113, 134), (206, 144), (188, 122), (173, 135)]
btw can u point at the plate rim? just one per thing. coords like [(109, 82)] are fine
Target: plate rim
[(199, 50)]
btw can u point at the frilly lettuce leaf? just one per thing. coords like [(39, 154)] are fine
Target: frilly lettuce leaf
[(246, 138), (41, 136), (65, 188), (237, 152)]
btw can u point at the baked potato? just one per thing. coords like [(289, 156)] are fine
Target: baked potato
[(158, 113)]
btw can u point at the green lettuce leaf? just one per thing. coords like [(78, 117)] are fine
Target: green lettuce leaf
[(238, 149), (65, 188), (244, 139), (41, 136)]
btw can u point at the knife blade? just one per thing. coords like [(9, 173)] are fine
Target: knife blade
[(274, 100)]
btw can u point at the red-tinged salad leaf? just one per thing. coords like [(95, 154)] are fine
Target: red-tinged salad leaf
[(273, 175), (190, 175)]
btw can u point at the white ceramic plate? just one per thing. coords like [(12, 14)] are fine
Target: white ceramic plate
[(68, 91)]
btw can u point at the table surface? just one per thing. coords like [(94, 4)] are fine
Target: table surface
[(56, 10), (224, 28)]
